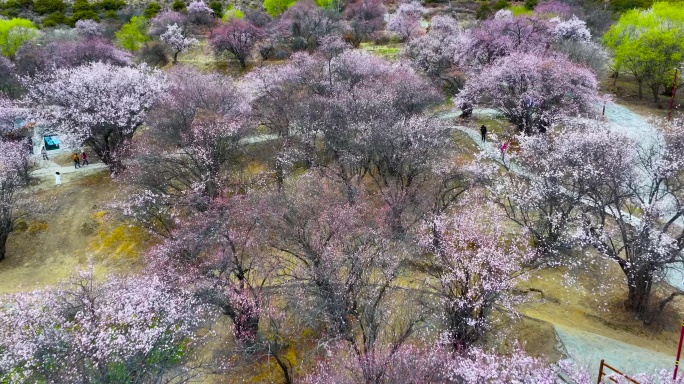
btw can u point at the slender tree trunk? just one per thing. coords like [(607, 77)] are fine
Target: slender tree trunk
[(3, 243), (656, 89), (640, 92), (175, 57)]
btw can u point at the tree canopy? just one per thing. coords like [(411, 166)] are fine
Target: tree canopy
[(649, 44)]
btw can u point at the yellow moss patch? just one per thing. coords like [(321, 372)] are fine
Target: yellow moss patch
[(37, 226), (255, 168), (122, 242)]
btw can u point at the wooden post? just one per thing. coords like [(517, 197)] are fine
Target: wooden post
[(679, 352), (600, 373), (669, 113)]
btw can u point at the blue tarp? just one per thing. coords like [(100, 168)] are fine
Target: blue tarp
[(51, 141)]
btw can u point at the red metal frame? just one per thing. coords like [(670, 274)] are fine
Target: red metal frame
[(601, 374), (679, 352)]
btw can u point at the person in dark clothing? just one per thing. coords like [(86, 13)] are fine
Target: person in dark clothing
[(483, 132)]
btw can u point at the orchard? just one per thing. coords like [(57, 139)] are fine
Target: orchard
[(339, 191)]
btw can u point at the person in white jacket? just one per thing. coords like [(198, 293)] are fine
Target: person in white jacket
[(58, 178)]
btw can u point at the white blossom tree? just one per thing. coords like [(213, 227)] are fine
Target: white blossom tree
[(176, 39), (405, 22), (99, 105)]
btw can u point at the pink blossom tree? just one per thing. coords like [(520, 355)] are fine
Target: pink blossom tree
[(533, 91), (124, 329), (495, 38), (199, 13), (238, 37), (219, 254), (553, 8), (194, 134), (405, 22), (341, 265), (160, 23), (633, 218), (89, 28), (9, 81), (10, 112), (32, 59), (304, 24), (546, 199), (473, 265), (365, 111), (98, 105), (413, 365), (176, 39), (14, 165), (434, 51), (364, 18)]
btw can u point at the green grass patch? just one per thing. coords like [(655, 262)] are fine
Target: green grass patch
[(388, 51), (519, 10)]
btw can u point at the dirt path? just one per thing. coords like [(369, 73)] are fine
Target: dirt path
[(47, 249)]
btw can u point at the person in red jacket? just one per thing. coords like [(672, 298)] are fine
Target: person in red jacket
[(84, 158)]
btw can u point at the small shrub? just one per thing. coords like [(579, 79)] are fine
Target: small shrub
[(54, 19), (530, 4), (626, 5), (111, 5), (83, 15), (483, 12), (152, 10), (501, 4), (111, 14), (44, 7), (154, 54), (82, 6), (179, 6), (217, 7)]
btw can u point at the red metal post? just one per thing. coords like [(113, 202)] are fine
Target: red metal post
[(679, 352), (674, 89)]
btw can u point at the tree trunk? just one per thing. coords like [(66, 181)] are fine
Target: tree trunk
[(396, 226), (640, 92), (639, 284), (175, 57), (655, 89), (3, 244)]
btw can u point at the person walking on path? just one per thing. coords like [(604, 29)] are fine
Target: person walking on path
[(77, 162), (58, 178), (84, 158), (483, 133), (43, 152), (504, 146)]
